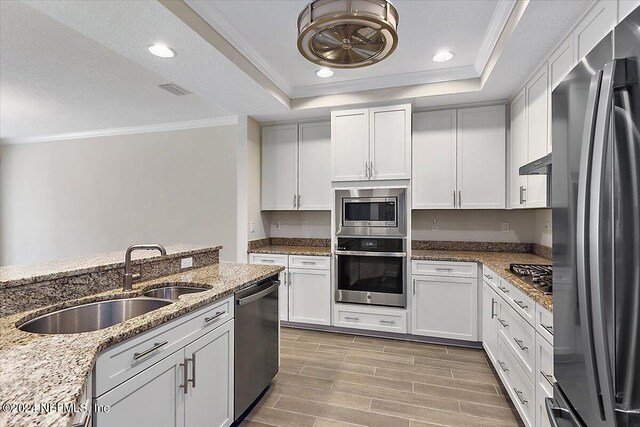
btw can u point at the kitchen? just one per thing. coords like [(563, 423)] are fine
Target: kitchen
[(337, 213)]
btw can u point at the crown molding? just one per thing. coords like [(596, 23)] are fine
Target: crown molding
[(496, 26), (396, 80), (159, 127)]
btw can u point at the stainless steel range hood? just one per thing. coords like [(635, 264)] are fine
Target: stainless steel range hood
[(540, 166)]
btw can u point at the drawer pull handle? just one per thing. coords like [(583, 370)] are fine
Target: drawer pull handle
[(156, 346), (352, 318), (193, 370), (519, 342), (488, 276), (502, 366), (547, 328), (388, 322), (520, 398), (503, 289), (214, 317), (521, 304), (547, 377), (503, 323), (443, 269), (309, 262), (268, 260)]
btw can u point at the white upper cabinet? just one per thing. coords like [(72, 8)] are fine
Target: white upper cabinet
[(626, 7), (314, 174), (371, 143), (434, 160), (390, 143), (279, 167), (518, 150), (561, 62), (481, 158), (350, 145), (538, 103), (594, 26), (295, 167)]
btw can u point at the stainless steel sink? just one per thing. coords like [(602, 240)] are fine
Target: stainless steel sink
[(173, 292), (92, 316)]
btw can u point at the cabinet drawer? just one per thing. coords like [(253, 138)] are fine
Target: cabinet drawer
[(124, 360), (544, 365), (372, 318), (490, 277), (544, 323), (520, 389), (444, 268), (520, 302), (542, 419), (312, 262), (269, 259), (520, 336)]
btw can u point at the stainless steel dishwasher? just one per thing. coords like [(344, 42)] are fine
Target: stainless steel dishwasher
[(256, 341)]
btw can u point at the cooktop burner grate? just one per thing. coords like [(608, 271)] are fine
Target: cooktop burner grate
[(539, 276)]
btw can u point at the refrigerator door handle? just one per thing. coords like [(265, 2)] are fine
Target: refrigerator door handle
[(595, 229), (584, 178)]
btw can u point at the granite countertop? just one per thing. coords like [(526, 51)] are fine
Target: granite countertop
[(293, 250), (17, 275), (498, 262), (37, 368)]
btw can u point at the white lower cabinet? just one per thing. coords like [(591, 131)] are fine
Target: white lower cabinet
[(444, 305), (371, 318), (490, 321), (310, 296), (190, 387), (283, 277), (520, 388), (542, 419)]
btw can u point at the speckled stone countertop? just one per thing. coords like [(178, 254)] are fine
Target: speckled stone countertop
[(24, 274), (498, 262), (293, 250), (37, 368)]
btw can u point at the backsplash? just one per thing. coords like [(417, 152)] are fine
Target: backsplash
[(63, 286), (440, 245)]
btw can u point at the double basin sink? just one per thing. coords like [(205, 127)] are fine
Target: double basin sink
[(99, 315)]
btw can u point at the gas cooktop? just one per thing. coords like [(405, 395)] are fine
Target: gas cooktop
[(539, 276)]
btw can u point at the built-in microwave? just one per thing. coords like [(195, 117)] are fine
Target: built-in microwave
[(371, 212)]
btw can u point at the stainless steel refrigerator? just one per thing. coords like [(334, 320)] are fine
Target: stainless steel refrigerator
[(596, 239)]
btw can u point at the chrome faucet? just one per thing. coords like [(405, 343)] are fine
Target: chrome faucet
[(128, 276)]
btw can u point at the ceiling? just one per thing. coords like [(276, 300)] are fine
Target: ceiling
[(64, 69)]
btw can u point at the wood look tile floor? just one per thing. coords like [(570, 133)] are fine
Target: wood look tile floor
[(336, 380)]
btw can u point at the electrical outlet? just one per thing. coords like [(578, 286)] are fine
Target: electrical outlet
[(253, 226), (434, 225), (305, 225), (186, 262), (547, 227), (506, 227), (277, 225)]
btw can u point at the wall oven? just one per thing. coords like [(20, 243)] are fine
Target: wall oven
[(371, 212), (371, 271)]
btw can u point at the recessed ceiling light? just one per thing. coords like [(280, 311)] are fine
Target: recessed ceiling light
[(161, 50), (442, 56), (324, 72)]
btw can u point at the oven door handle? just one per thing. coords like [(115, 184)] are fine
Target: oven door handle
[(377, 254)]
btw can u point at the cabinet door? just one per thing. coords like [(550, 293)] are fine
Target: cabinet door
[(209, 400), (481, 158), (561, 62), (434, 160), (594, 26), (490, 321), (349, 145), (151, 398), (537, 135), (314, 166), (625, 7), (445, 307), (279, 167), (390, 142), (310, 296), (518, 151)]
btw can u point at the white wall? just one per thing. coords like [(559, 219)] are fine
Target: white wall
[(92, 195), (254, 161), (474, 225), (292, 224)]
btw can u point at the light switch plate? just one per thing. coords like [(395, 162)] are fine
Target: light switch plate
[(277, 224), (434, 225), (186, 262), (253, 226), (506, 227), (305, 225)]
